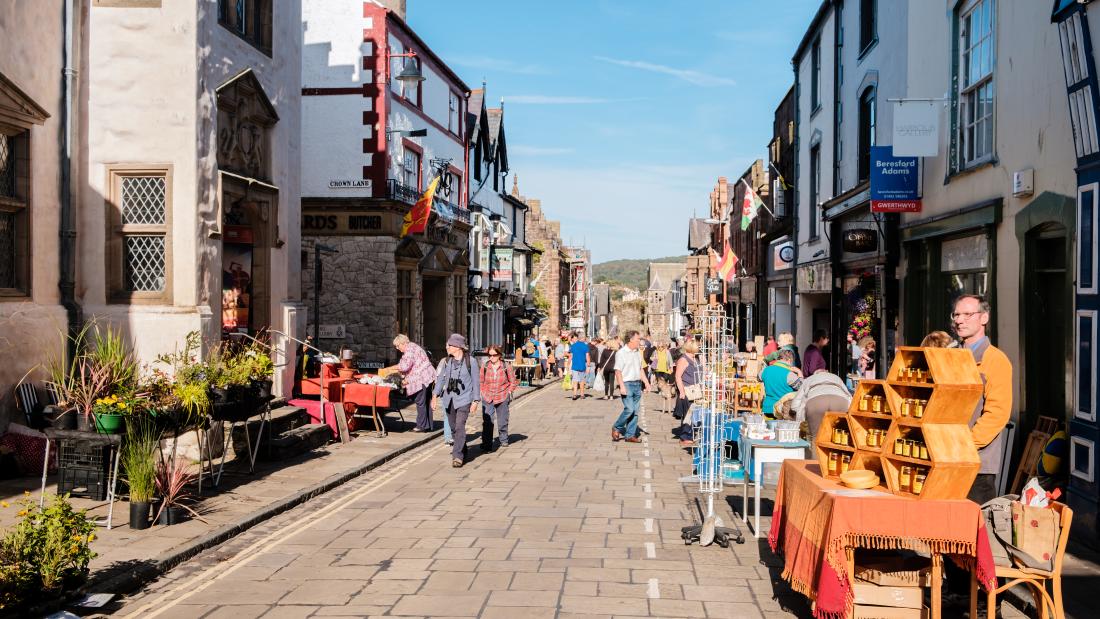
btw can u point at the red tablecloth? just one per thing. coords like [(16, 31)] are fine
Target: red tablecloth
[(365, 395), (815, 519)]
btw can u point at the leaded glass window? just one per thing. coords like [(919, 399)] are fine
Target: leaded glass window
[(141, 217), (7, 166)]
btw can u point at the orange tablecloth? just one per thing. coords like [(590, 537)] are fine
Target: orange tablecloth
[(815, 519)]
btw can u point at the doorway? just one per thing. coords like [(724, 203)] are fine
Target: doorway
[(434, 303), (1047, 311)]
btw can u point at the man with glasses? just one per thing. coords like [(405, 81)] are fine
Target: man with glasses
[(970, 317), (631, 379)]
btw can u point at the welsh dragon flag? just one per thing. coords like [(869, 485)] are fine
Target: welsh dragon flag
[(416, 220), (750, 206)]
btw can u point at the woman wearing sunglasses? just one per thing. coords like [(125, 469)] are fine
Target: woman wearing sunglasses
[(497, 384)]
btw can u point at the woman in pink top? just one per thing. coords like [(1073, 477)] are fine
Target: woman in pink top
[(419, 376)]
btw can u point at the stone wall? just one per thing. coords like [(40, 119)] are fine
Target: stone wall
[(546, 235), (630, 315), (358, 288)]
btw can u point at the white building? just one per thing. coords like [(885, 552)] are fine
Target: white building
[(184, 187), (382, 116)]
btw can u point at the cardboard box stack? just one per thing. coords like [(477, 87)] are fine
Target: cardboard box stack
[(891, 587)]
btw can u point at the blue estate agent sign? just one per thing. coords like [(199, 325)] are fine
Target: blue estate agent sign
[(895, 182)]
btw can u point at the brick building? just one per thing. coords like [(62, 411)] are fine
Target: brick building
[(544, 235)]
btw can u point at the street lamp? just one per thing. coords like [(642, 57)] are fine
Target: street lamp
[(410, 72)]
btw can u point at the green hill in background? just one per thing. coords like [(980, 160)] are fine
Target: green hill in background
[(632, 273)]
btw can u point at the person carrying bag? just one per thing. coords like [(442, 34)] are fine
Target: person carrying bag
[(498, 382)]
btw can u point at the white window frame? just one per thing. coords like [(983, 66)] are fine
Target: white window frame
[(1090, 473), (1095, 257), (454, 112), (966, 92), (1088, 415)]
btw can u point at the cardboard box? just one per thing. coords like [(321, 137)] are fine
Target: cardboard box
[(894, 597), (863, 611), (896, 571)]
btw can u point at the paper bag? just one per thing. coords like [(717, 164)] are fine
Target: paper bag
[(1036, 531)]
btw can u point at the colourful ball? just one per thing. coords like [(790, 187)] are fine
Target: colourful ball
[(1054, 453)]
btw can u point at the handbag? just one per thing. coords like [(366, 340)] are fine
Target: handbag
[(599, 383), (693, 393), (567, 382)]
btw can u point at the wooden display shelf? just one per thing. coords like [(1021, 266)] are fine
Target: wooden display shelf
[(868, 460), (824, 445), (861, 423), (952, 459), (870, 388)]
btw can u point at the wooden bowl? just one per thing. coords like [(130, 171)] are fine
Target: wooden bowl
[(859, 479)]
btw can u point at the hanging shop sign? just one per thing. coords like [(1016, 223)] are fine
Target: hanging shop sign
[(501, 264), (860, 240), (917, 128), (782, 256), (895, 182), (714, 285)]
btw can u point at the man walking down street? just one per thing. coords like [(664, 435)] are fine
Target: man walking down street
[(497, 382), (561, 353), (456, 384), (578, 364), (632, 379), (987, 424), (814, 359)]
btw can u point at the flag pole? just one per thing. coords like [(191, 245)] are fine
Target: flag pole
[(780, 175)]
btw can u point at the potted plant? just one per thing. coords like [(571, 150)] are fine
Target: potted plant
[(261, 369), (173, 476), (189, 381), (139, 453), (110, 412), (44, 553)]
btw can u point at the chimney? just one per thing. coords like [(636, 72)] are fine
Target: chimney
[(397, 6)]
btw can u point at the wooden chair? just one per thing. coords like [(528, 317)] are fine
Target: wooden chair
[(1035, 579)]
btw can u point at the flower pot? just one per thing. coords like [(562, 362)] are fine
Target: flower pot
[(108, 423), (65, 420), (83, 423), (346, 373), (221, 394), (139, 515), (172, 515), (263, 388)]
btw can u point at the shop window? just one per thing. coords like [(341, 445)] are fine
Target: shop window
[(1085, 366), (250, 20), (459, 303), (867, 18), (1075, 64), (14, 214), (866, 132), (1086, 239), (139, 256), (965, 266), (974, 76), (406, 293)]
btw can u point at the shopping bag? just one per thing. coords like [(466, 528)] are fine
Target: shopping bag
[(567, 382), (598, 384), (1036, 531)]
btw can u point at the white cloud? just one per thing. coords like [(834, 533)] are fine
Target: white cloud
[(525, 150), (503, 65), (688, 75), (553, 100)]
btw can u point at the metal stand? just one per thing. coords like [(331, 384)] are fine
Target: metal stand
[(113, 441), (708, 433)]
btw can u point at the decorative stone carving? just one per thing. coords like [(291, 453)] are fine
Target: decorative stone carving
[(245, 118)]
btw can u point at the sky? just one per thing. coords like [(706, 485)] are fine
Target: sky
[(621, 115)]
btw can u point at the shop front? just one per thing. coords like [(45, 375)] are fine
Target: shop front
[(374, 284), (863, 263), (780, 287), (814, 288)]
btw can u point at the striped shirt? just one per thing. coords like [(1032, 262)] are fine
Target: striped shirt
[(418, 371)]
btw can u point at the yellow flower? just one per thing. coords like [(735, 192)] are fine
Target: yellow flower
[(91, 537), (3, 504), (26, 493), (23, 513)]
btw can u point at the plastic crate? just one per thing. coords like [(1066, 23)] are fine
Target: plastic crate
[(82, 469)]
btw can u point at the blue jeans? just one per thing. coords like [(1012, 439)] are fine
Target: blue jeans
[(447, 436), (627, 423)]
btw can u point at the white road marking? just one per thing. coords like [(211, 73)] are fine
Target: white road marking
[(649, 503), (645, 464), (653, 592), (649, 488), (648, 474), (646, 452), (650, 550), (648, 525)]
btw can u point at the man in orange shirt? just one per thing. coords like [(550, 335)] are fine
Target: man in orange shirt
[(971, 315)]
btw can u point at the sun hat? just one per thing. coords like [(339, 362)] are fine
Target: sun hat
[(457, 340)]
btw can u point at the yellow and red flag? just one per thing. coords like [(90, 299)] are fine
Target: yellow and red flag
[(727, 265), (416, 220)]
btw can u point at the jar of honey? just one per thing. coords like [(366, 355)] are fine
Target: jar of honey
[(905, 479), (845, 462), (907, 448), (876, 404), (899, 447), (918, 481), (923, 451), (864, 403), (833, 463)]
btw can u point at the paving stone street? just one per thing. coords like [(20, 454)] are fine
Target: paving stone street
[(562, 523)]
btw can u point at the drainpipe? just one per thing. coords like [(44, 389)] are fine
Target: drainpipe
[(67, 219)]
